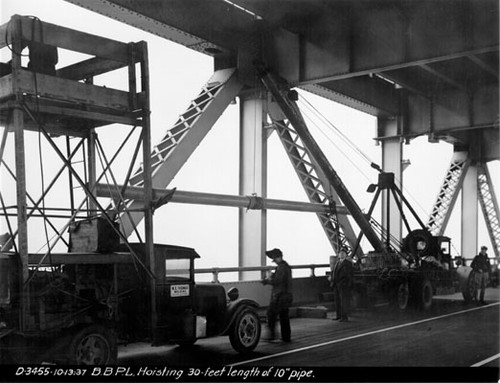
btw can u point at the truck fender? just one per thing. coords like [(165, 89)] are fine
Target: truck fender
[(234, 308)]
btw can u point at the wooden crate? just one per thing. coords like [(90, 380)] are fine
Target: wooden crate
[(93, 236)]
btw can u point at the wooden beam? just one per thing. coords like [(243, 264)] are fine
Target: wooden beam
[(72, 40), (71, 91), (81, 258), (98, 117), (89, 68)]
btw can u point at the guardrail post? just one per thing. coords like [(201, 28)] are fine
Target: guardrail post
[(215, 273), (312, 271)]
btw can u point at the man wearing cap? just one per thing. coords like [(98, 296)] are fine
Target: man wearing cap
[(342, 276), (281, 296), (482, 268)]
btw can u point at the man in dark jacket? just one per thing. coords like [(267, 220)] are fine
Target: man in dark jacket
[(342, 275), (281, 296), (482, 268)]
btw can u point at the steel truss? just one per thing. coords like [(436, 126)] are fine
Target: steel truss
[(190, 129), (489, 206), (448, 193), (315, 185), (285, 99), (183, 138)]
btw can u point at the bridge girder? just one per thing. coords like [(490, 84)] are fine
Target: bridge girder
[(444, 54)]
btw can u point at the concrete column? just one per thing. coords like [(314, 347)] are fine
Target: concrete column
[(469, 219), (392, 155), (253, 163)]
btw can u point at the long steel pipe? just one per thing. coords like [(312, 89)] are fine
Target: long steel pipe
[(197, 198)]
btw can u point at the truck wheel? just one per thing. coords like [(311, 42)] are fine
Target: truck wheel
[(93, 345), (245, 331), (422, 294), (402, 296)]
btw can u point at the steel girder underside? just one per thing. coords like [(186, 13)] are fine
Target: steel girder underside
[(433, 63)]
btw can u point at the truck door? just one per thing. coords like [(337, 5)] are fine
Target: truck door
[(175, 301)]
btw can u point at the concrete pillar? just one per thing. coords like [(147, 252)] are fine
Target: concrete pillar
[(253, 163), (392, 155), (469, 219)]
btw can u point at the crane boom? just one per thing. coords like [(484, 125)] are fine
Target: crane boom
[(293, 114)]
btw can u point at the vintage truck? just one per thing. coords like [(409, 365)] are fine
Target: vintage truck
[(82, 305)]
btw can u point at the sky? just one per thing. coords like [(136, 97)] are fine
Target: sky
[(177, 74)]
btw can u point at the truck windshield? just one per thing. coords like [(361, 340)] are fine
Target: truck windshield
[(176, 269)]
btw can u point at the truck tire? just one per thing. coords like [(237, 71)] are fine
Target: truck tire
[(244, 333), (422, 293), (93, 345), (402, 296), (419, 237)]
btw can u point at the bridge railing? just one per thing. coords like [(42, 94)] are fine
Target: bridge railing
[(215, 271)]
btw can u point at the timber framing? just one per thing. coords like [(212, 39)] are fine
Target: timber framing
[(78, 105), (56, 100)]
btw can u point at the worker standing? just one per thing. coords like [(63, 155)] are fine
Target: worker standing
[(482, 268), (281, 296), (342, 276)]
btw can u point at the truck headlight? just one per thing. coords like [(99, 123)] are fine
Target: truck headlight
[(233, 294)]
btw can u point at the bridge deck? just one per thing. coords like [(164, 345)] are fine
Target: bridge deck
[(451, 334)]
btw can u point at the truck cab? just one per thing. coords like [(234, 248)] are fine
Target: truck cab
[(187, 311), (85, 304)]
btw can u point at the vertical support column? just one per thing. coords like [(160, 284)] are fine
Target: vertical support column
[(22, 218), (253, 164), (392, 155), (148, 194), (91, 164), (469, 219)]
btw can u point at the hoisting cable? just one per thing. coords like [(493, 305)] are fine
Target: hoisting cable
[(337, 130), (335, 145), (353, 146)]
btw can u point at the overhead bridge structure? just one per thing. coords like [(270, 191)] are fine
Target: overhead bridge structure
[(421, 67)]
